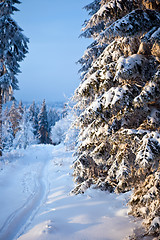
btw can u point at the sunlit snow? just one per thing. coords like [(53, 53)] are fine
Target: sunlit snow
[(36, 203)]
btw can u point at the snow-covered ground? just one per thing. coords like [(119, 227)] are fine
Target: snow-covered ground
[(36, 204)]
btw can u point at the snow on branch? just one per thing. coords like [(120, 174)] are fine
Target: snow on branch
[(131, 67), (93, 7), (134, 23), (115, 95), (150, 92), (149, 148), (105, 16), (153, 35)]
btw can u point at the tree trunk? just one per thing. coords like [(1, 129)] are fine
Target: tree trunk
[(0, 123)]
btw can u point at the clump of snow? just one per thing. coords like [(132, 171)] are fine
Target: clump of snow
[(86, 84), (127, 67), (147, 94), (109, 98), (114, 95)]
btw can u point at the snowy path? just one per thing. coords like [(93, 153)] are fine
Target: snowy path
[(31, 177), (13, 224), (35, 203)]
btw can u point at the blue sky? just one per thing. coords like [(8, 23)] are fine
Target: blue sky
[(53, 27)]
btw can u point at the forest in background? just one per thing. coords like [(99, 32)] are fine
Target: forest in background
[(24, 124)]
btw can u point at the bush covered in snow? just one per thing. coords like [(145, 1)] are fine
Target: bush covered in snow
[(64, 132)]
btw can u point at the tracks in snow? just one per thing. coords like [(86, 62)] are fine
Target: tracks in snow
[(16, 224)]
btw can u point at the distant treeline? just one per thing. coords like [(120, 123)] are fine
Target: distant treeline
[(25, 125)]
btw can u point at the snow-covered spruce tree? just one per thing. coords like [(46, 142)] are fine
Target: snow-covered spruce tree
[(33, 116), (25, 136), (20, 108), (13, 48), (7, 137), (14, 116), (119, 96), (43, 134)]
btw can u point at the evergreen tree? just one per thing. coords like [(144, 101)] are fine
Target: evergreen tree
[(14, 117), (7, 137), (119, 121), (13, 48), (43, 134), (20, 108), (25, 136), (33, 113)]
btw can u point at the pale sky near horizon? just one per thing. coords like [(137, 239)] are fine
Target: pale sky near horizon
[(49, 70)]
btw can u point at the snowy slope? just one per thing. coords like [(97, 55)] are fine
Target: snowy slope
[(35, 203)]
